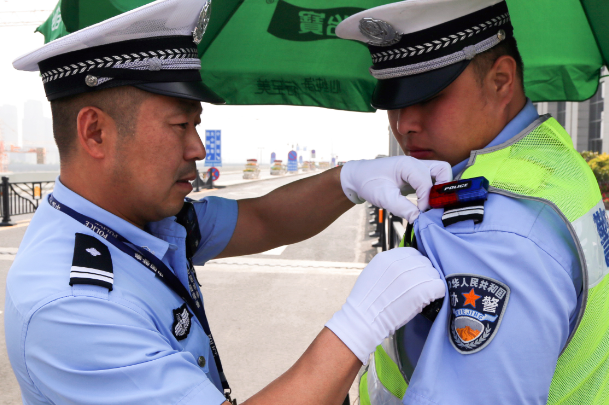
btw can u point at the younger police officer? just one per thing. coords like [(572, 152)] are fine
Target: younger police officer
[(525, 321), (102, 303)]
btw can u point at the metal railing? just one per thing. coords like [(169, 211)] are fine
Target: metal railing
[(389, 228), (21, 198)]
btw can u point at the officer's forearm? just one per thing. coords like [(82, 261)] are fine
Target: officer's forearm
[(322, 376), (289, 214)]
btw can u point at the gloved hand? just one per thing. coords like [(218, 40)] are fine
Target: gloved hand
[(394, 287), (383, 182)]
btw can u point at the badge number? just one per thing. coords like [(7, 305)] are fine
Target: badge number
[(477, 306)]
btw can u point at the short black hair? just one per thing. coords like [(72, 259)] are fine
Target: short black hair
[(485, 60), (121, 103)]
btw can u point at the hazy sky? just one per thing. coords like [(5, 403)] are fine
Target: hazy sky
[(245, 129)]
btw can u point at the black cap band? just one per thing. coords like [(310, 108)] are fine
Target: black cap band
[(171, 59)]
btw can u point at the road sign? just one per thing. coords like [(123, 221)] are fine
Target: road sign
[(273, 157), (312, 153), (300, 159), (292, 162), (215, 173), (333, 162), (213, 147)]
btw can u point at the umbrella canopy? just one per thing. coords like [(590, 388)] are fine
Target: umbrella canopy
[(286, 51)]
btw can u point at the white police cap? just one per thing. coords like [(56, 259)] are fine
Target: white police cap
[(153, 47), (419, 47)]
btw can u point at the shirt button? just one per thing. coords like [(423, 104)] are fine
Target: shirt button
[(201, 361)]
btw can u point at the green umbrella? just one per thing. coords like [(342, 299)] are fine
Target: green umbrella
[(53, 27), (286, 51)]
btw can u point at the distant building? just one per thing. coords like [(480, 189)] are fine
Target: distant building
[(584, 121), (394, 147), (33, 124), (52, 154), (9, 128)]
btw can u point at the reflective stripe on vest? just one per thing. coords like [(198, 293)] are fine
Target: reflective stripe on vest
[(540, 164)]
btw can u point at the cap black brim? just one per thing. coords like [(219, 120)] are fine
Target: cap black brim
[(188, 90), (401, 92)]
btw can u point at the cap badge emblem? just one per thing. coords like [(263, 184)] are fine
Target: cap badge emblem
[(379, 32), (199, 31), (91, 81)]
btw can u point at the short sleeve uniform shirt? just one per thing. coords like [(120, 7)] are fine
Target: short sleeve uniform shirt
[(85, 344), (525, 246)]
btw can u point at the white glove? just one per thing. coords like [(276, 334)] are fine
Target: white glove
[(383, 182), (394, 287)]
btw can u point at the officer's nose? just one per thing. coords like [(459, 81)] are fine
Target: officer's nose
[(195, 150), (409, 120)]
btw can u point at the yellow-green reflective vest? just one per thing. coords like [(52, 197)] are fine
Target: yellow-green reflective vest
[(540, 164)]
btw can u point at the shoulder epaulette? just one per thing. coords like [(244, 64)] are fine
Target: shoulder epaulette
[(92, 263), (462, 212)]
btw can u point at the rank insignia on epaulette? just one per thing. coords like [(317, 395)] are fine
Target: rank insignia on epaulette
[(477, 306), (91, 263), (473, 210)]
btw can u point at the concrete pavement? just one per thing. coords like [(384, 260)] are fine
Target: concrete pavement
[(264, 309)]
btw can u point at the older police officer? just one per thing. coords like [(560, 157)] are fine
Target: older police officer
[(525, 322), (102, 302)]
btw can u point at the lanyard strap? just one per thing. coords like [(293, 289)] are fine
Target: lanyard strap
[(152, 263)]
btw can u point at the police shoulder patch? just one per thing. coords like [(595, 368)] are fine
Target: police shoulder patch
[(477, 306), (181, 322)]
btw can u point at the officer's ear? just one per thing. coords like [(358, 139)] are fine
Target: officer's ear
[(96, 132), (503, 75)]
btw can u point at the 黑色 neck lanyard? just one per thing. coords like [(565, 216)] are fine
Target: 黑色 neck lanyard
[(155, 265)]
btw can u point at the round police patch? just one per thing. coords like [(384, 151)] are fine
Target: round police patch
[(477, 306)]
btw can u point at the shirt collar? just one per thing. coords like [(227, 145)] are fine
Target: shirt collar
[(129, 231), (522, 120)]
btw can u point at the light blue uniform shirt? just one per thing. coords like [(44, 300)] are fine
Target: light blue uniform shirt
[(525, 245), (88, 345)]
